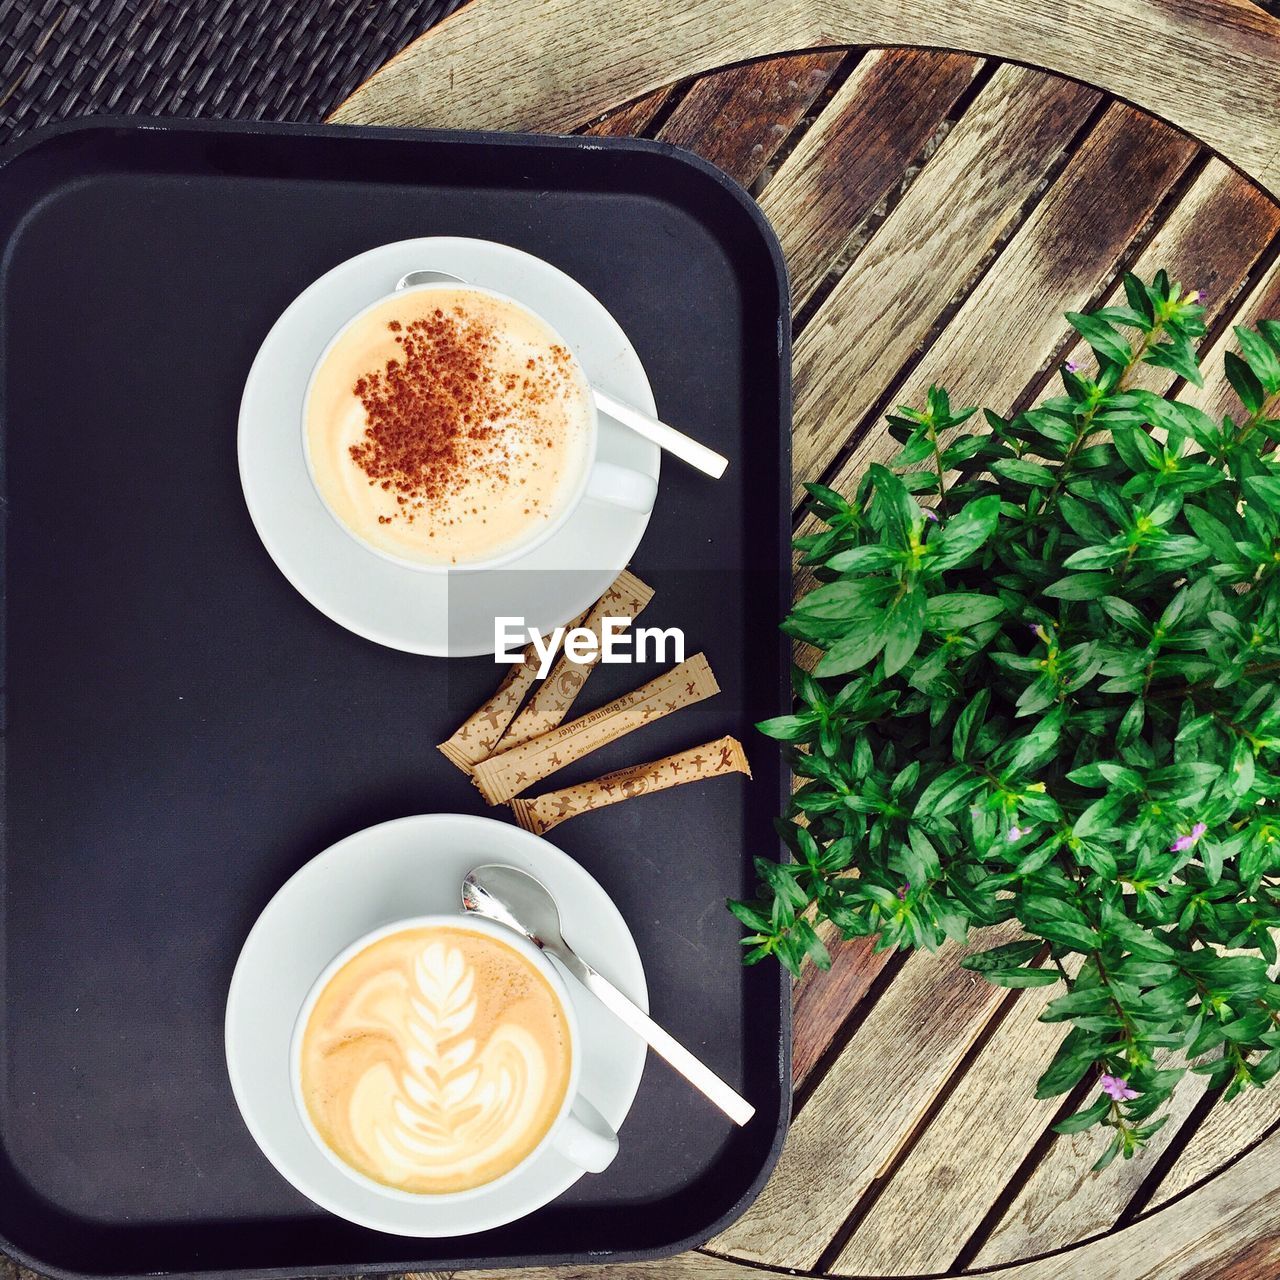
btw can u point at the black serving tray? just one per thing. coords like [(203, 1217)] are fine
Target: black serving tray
[(182, 730)]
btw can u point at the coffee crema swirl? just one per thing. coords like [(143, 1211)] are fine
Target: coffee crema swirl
[(435, 1060)]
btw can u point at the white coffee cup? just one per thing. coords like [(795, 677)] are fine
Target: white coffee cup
[(579, 1132), (598, 481)]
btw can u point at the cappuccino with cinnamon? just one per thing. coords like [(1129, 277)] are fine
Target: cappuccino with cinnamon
[(448, 426)]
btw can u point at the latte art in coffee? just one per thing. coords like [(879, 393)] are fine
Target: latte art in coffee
[(448, 426), (435, 1060)]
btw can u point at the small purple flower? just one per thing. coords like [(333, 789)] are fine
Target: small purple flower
[(902, 890), (930, 515), (1117, 1088), (1016, 833), (1072, 367), (1183, 843)]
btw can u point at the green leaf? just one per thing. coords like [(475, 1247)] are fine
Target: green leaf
[(856, 649), (1106, 773), (1085, 1118), (1095, 558), (1127, 616), (1113, 1150), (953, 612), (1123, 315), (1178, 355), (1245, 383), (868, 559), (1021, 977), (961, 450), (1083, 1000), (1084, 521), (1137, 448), (902, 517), (1106, 341), (1264, 490), (1080, 586), (1066, 934), (964, 533), (1010, 955), (750, 915), (1214, 534), (904, 628), (788, 728), (1023, 472), (968, 722), (1073, 1059), (1262, 358)]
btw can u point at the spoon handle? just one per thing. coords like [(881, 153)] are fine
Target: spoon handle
[(737, 1108), (692, 451)]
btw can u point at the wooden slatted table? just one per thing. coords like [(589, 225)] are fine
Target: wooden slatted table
[(939, 211)]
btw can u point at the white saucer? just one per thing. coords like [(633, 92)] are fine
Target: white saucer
[(414, 866), (445, 615)]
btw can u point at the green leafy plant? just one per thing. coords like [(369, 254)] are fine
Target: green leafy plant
[(1046, 690)]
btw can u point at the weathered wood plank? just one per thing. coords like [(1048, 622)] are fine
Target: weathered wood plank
[(1059, 260), (856, 153), (961, 1163), (631, 120), (933, 242), (738, 118), (822, 999), (1224, 1231), (1263, 303), (1063, 1201), (1210, 241), (865, 1106), (1229, 1129), (575, 59)]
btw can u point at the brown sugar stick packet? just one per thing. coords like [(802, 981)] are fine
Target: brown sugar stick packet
[(507, 774), (710, 760), (550, 704), (476, 738)]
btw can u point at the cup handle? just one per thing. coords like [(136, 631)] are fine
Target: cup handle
[(585, 1138), (622, 487)]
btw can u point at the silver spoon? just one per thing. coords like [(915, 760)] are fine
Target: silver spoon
[(427, 277), (692, 451), (521, 902)]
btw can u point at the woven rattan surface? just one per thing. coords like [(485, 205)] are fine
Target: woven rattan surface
[(235, 59)]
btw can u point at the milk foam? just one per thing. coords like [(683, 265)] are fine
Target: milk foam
[(435, 1060), (505, 487)]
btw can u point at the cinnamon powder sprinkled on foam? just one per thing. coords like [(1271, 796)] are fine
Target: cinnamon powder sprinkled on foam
[(435, 417)]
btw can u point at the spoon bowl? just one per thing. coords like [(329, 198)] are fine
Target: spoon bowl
[(522, 902), (518, 900)]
